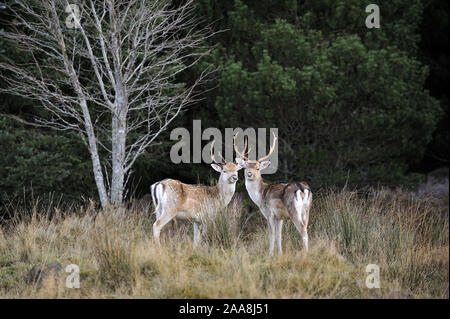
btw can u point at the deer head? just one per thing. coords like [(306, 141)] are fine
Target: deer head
[(253, 168), (228, 170)]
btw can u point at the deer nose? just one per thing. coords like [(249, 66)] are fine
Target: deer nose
[(249, 174), (234, 178)]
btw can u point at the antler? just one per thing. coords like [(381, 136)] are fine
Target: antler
[(241, 155), (212, 155), (271, 149)]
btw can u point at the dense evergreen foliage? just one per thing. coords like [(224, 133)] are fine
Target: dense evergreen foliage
[(352, 104)]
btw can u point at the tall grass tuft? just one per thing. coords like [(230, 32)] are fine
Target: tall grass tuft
[(394, 231), (222, 227), (114, 250)]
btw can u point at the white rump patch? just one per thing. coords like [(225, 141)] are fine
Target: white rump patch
[(301, 205), (306, 199), (159, 194)]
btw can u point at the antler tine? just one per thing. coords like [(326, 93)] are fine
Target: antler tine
[(241, 155), (272, 148), (223, 159), (245, 151), (212, 154)]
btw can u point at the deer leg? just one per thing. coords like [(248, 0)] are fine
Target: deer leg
[(305, 238), (166, 216), (271, 226), (173, 226), (301, 227), (278, 228), (197, 233)]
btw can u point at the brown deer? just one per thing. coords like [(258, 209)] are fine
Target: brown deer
[(276, 201), (173, 199)]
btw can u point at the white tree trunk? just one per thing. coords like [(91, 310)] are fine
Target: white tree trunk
[(118, 135), (98, 175), (118, 159), (96, 166)]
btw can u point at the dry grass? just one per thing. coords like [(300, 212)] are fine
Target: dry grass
[(117, 257)]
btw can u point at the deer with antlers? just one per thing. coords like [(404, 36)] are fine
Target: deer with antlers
[(173, 199), (276, 201)]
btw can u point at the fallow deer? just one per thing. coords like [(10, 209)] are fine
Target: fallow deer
[(276, 201), (173, 199)]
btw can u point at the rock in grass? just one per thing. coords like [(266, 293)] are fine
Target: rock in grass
[(46, 270)]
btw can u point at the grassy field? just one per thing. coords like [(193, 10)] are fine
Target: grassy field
[(408, 239)]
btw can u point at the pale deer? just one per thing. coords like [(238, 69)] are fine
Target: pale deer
[(276, 201), (173, 199)]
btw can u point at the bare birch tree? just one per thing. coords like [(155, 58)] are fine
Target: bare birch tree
[(107, 69)]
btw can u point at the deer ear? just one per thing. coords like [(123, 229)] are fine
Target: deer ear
[(264, 165), (240, 162), (216, 167)]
